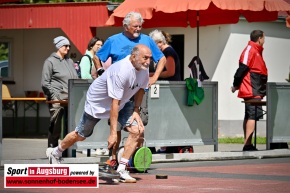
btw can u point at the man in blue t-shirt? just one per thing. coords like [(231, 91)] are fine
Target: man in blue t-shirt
[(120, 45)]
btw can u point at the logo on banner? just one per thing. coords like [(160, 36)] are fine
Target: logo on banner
[(51, 176)]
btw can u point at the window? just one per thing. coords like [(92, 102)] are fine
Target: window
[(5, 66)]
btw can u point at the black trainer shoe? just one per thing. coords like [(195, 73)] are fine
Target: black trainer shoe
[(108, 172), (114, 164), (249, 148)]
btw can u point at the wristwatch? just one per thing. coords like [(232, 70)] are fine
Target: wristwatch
[(100, 71)]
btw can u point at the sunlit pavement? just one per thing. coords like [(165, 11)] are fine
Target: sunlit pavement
[(229, 170), (248, 175)]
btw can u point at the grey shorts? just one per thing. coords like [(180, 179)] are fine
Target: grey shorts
[(250, 111), (87, 122)]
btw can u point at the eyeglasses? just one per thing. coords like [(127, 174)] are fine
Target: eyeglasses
[(67, 46), (136, 26)]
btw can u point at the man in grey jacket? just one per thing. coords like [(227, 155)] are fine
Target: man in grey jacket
[(56, 72)]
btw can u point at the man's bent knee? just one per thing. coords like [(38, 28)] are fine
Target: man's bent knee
[(135, 133), (70, 139), (77, 137), (80, 138), (135, 130)]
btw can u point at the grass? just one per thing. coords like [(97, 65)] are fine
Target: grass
[(240, 140)]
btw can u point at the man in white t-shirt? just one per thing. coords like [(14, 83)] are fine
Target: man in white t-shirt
[(108, 97)]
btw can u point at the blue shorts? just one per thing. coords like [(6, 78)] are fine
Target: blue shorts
[(87, 122)]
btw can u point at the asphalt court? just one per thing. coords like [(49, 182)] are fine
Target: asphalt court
[(239, 176)]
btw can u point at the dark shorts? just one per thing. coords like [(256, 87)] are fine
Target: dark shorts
[(87, 122), (250, 111)]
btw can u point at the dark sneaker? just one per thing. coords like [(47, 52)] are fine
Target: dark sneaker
[(114, 164), (249, 148), (108, 172)]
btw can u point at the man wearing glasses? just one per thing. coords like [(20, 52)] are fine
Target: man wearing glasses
[(57, 70)]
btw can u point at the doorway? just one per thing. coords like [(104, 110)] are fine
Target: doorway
[(178, 45)]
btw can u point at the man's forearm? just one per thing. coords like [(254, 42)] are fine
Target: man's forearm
[(97, 62), (240, 74), (159, 69), (114, 116), (98, 65), (160, 66)]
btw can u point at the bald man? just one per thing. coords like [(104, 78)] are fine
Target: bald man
[(109, 97)]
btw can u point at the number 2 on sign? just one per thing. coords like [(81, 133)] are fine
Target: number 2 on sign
[(155, 91)]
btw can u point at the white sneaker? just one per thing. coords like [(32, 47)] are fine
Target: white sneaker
[(102, 151), (99, 151), (93, 152), (51, 158), (105, 151), (125, 177)]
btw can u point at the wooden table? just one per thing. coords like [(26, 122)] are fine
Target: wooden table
[(29, 103), (62, 103), (257, 104)]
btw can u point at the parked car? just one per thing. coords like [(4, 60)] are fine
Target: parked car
[(4, 68)]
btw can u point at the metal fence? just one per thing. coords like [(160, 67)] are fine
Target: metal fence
[(278, 110), (171, 121)]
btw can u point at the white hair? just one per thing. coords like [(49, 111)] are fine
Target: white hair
[(157, 36), (136, 15)]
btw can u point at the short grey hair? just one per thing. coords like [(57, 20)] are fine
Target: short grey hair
[(157, 36), (136, 15), (135, 51)]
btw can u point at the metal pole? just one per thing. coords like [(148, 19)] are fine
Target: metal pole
[(197, 31)]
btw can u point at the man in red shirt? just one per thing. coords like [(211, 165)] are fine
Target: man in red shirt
[(251, 79)]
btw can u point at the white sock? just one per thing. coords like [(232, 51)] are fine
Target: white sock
[(57, 151), (122, 164)]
